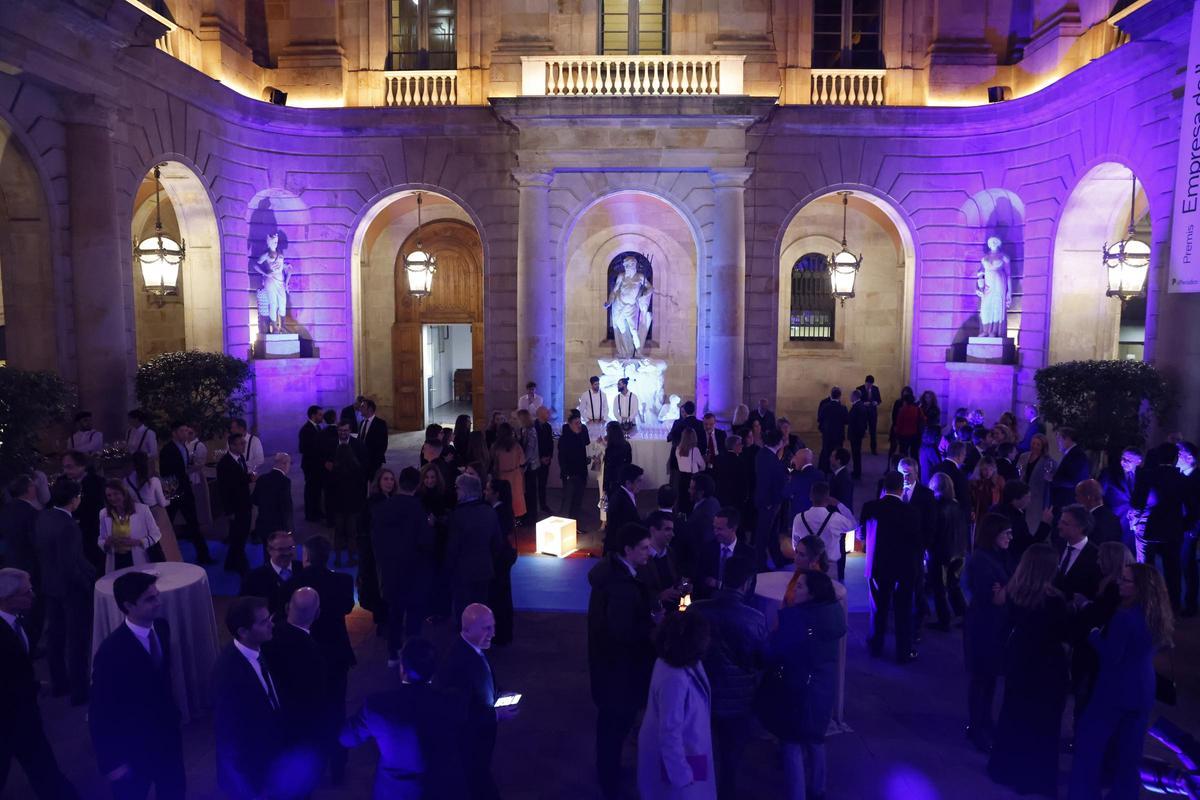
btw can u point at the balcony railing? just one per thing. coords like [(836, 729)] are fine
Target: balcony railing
[(625, 76), (425, 87), (847, 87)]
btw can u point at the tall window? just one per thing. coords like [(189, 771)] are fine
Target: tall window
[(812, 300), (846, 34), (629, 27), (422, 34)]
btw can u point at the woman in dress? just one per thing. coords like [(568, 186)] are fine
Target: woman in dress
[(147, 490), (370, 596), (1036, 468), (498, 495), (431, 491), (675, 753), (987, 489), (493, 429), (508, 464), (986, 623), (1025, 753), (931, 414), (461, 438), (477, 451), (128, 534), (1085, 661), (804, 648), (906, 396), (1119, 712), (617, 453), (691, 462)]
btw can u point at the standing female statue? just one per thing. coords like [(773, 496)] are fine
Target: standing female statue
[(276, 274), (629, 302), (993, 286)]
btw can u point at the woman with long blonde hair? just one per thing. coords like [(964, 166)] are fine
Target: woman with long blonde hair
[(1025, 754), (1036, 468)]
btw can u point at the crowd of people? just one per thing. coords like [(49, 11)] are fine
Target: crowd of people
[(1048, 570)]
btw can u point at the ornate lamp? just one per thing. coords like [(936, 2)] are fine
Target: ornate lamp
[(844, 265), (419, 265), (1127, 261), (160, 256)]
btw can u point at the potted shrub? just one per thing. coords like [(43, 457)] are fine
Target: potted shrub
[(30, 402), (205, 389)]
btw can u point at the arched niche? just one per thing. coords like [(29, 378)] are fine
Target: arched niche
[(999, 213), (1084, 323), (193, 319), (28, 316), (871, 331), (279, 210), (646, 224)]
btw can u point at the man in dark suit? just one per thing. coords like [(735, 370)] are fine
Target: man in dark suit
[(622, 611), (705, 506), (662, 570), (1161, 500), (797, 491), (269, 580), (763, 415), (920, 497), (373, 433), (247, 722), (1120, 483), (710, 566), (135, 724), (687, 420), (173, 462), (892, 532), (273, 495), (832, 417), (622, 506), (352, 413), (1072, 468), (1105, 525), (573, 464), (730, 474), (871, 399), (233, 483), (414, 713), (952, 465), (474, 536), (312, 463), (67, 581), (346, 477), (545, 445), (403, 542), (1006, 461), (714, 441), (857, 422), (18, 527), (975, 451), (1013, 504), (1033, 428), (22, 736), (770, 477), (468, 673), (1078, 563), (78, 467), (336, 592), (791, 442), (841, 484)]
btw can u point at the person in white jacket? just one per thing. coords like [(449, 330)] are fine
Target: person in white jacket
[(827, 519), (128, 532)]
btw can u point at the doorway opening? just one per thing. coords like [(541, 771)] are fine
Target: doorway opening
[(447, 372)]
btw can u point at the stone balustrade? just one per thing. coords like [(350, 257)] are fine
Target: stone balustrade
[(423, 87), (609, 76), (848, 87)]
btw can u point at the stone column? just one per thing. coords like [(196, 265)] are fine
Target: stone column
[(98, 264), (726, 317), (537, 290)]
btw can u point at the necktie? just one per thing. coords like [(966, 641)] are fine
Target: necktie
[(362, 429), (156, 654), (272, 698), (1066, 561), (19, 627), (907, 494), (712, 447), (726, 552), (285, 574)]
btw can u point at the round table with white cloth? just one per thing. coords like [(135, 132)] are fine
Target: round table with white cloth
[(768, 598), (188, 609)]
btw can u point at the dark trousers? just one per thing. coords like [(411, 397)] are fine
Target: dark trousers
[(873, 428), (543, 477), (165, 773), (1191, 570), (981, 694), (944, 586), (888, 593), (766, 537), (339, 679), (69, 643), (501, 602), (856, 456), (235, 544), (313, 480), (572, 498), (405, 611), (730, 737), (22, 738), (613, 724), (186, 504), (531, 496), (1169, 553), (1105, 731), (841, 569)]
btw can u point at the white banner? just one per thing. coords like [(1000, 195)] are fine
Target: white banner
[(1185, 214)]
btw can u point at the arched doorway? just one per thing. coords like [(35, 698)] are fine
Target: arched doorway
[(1084, 324), (192, 319), (823, 343), (29, 326), (430, 335)]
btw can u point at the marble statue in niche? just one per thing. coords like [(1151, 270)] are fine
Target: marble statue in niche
[(629, 305), (993, 286), (276, 276)]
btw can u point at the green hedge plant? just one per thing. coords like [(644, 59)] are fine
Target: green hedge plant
[(205, 390), (30, 402)]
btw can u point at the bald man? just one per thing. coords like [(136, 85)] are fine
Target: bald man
[(468, 672), (1106, 526), (298, 668)]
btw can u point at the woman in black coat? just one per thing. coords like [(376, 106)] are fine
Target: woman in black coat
[(986, 626), (369, 595), (1025, 752), (1085, 662), (498, 494), (617, 453), (434, 499)]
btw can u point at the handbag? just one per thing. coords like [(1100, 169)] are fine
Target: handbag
[(770, 704)]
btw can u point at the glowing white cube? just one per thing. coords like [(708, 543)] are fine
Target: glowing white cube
[(556, 536)]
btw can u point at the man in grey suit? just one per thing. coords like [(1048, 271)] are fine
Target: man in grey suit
[(474, 536), (67, 580)]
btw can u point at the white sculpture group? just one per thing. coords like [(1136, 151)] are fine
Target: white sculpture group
[(629, 302)]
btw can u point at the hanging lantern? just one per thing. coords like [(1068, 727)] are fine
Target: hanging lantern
[(844, 265), (1127, 261), (159, 256), (419, 265)]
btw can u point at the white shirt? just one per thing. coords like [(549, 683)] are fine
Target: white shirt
[(254, 453), (1071, 555), (197, 459), (693, 462), (593, 406), (530, 404), (625, 407), (632, 496), (141, 440), (149, 493), (142, 634), (279, 570), (252, 657), (628, 566), (11, 619), (833, 535), (86, 441)]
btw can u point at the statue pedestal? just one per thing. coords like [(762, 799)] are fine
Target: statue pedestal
[(647, 377), (991, 350), (282, 345), (282, 385), (990, 387)]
